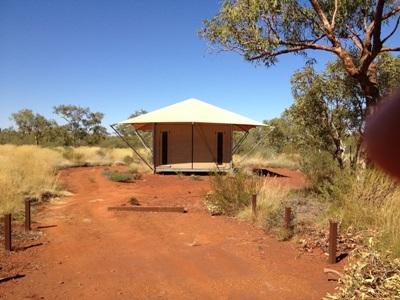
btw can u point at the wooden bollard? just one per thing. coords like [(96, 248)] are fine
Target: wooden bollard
[(254, 205), (7, 232), (288, 218), (333, 226), (27, 214)]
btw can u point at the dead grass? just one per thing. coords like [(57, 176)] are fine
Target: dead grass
[(257, 160), (373, 202), (96, 156), (25, 171), (32, 171), (271, 201)]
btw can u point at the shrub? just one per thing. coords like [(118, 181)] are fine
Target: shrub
[(230, 192), (271, 201), (128, 160), (133, 201), (134, 172), (371, 275), (117, 176), (320, 169), (373, 202)]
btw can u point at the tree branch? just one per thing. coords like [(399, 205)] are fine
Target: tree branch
[(392, 32), (321, 15), (334, 15), (390, 49), (377, 43), (391, 13), (277, 53), (355, 38)]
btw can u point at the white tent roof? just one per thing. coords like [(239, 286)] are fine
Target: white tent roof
[(192, 111)]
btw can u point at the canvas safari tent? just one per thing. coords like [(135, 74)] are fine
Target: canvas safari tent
[(192, 136)]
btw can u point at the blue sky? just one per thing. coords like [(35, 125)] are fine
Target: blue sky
[(120, 56)]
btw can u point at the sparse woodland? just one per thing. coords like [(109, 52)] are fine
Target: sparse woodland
[(320, 134)]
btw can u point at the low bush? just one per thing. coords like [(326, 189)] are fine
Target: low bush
[(370, 275), (271, 200), (373, 202), (128, 160), (231, 192), (319, 168), (118, 176)]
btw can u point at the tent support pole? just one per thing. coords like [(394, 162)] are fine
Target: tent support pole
[(209, 149), (240, 142), (130, 146), (141, 139)]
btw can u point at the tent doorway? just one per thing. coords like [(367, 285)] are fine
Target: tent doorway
[(164, 148), (220, 147)]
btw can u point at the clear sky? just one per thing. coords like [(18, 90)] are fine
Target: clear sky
[(120, 56)]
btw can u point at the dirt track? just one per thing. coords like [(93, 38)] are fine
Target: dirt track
[(93, 253)]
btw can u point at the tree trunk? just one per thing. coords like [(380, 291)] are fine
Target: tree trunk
[(369, 86)]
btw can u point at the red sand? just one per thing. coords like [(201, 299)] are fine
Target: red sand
[(93, 253)]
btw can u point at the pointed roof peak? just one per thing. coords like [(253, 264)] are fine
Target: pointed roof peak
[(192, 110)]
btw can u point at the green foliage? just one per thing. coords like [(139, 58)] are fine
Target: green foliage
[(230, 193), (128, 160), (264, 29), (319, 168), (84, 125), (279, 135), (118, 176), (371, 275), (128, 132), (33, 125)]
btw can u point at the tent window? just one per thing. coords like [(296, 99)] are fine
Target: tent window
[(220, 147), (164, 147)]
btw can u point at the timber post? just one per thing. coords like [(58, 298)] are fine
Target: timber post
[(7, 232), (333, 228)]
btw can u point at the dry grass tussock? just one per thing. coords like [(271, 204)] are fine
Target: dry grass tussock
[(25, 171), (96, 156), (32, 170), (373, 202), (231, 193), (258, 160), (271, 201)]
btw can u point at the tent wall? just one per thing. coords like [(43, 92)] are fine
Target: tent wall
[(192, 147)]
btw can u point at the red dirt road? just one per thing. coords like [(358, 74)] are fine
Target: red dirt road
[(93, 253)]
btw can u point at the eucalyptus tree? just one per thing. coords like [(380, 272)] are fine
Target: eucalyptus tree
[(357, 32), (84, 125), (30, 124), (329, 109)]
